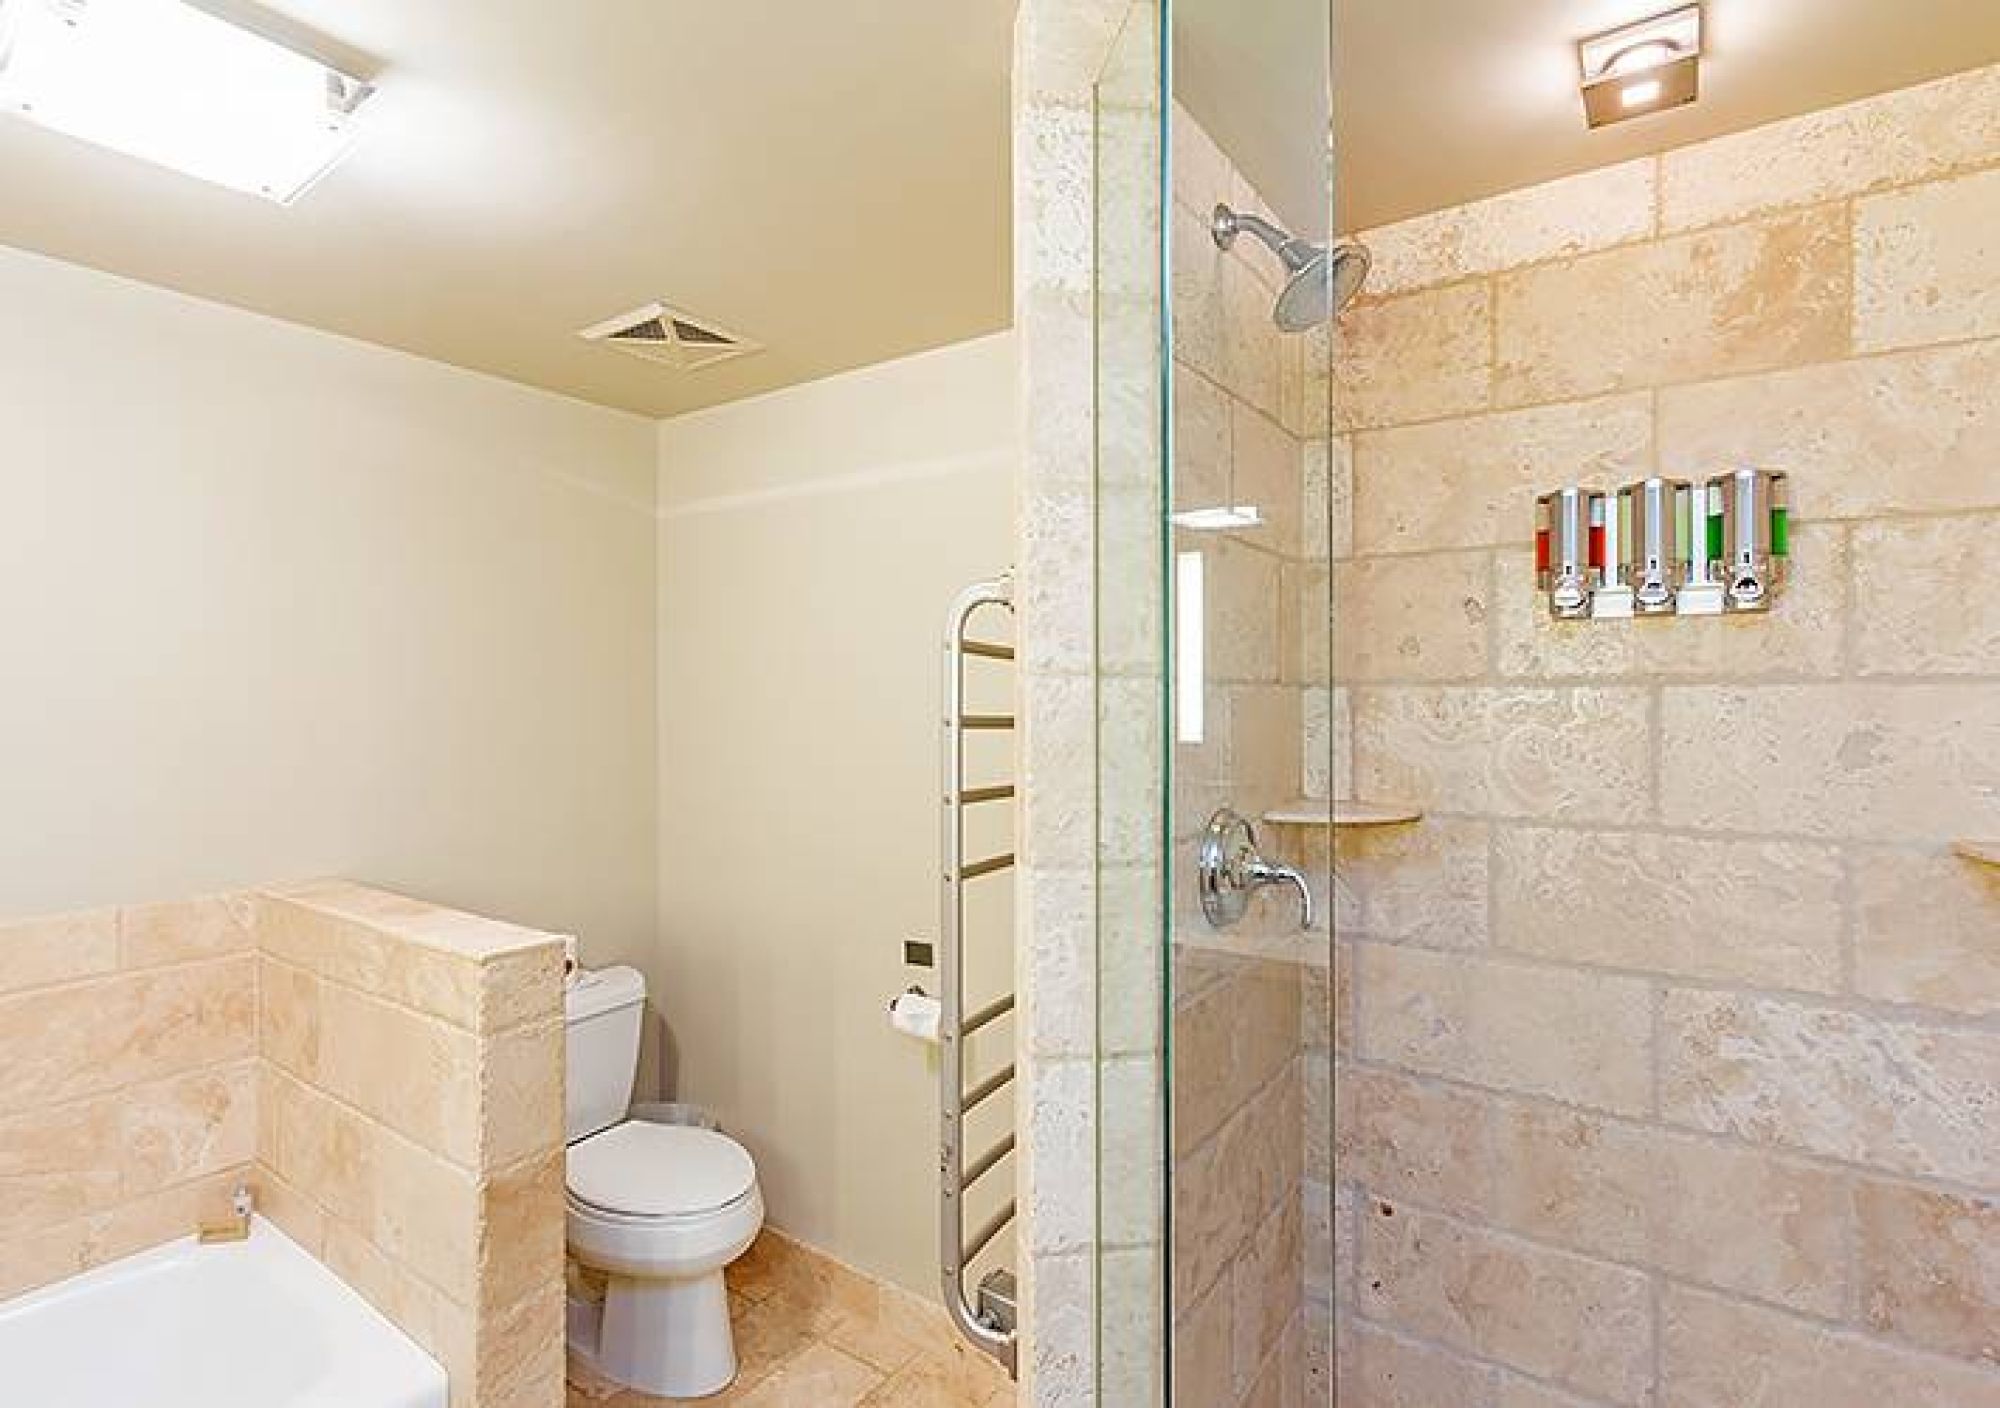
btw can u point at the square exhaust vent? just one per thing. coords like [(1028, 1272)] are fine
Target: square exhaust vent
[(660, 332)]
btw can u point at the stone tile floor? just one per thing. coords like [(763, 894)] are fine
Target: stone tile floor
[(811, 1333)]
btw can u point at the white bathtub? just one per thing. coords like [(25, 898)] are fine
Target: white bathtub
[(254, 1324)]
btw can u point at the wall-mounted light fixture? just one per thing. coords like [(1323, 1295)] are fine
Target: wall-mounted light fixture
[(1190, 649), (1640, 68)]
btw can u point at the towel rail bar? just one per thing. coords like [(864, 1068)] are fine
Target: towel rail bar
[(987, 1015), (957, 1249), (988, 1230), (985, 1163)]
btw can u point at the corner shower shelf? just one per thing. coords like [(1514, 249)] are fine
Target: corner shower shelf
[(1981, 852), (1346, 812)]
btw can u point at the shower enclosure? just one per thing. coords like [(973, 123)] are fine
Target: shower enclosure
[(1494, 1008), (1217, 492)]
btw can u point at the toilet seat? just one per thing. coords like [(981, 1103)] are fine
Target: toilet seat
[(644, 1173), (613, 1217)]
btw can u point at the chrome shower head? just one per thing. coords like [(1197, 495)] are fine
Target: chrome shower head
[(1324, 278)]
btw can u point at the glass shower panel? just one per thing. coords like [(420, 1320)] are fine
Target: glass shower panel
[(1216, 494), (1249, 924)]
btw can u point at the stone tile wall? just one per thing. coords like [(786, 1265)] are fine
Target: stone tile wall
[(410, 1123), (128, 1081), (386, 1075), (1668, 1067), (1062, 50)]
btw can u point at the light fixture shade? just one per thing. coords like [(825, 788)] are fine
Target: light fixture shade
[(172, 84), (1641, 68)]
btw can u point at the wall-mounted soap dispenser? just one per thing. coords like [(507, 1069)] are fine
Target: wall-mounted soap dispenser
[(1750, 535), (1653, 553), (1664, 547), (1566, 557)]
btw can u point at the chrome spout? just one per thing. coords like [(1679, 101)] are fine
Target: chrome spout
[(235, 1227)]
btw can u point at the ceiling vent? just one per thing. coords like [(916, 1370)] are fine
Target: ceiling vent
[(662, 333)]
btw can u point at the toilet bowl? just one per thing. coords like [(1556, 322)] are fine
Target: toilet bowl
[(660, 1210)]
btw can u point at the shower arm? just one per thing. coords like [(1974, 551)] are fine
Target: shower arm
[(1226, 224)]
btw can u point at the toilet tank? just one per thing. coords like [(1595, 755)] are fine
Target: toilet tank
[(603, 1009)]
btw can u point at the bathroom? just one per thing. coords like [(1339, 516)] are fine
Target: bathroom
[(1186, 702)]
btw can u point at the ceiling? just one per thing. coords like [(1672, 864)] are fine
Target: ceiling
[(832, 180), (1442, 101)]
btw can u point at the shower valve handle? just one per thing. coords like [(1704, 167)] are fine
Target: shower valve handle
[(1231, 868)]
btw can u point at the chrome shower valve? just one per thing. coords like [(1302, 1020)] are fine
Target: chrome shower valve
[(1231, 868)]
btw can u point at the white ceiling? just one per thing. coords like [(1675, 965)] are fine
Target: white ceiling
[(1442, 101), (832, 179)]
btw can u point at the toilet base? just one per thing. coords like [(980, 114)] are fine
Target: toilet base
[(671, 1339)]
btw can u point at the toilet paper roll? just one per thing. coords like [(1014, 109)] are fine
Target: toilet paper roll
[(915, 1015)]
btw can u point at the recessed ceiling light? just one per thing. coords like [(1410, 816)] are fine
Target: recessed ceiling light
[(174, 85), (1640, 68)]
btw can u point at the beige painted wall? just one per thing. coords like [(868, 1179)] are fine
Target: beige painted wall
[(810, 541), (279, 604)]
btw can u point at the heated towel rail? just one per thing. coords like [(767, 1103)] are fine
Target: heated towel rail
[(985, 1327)]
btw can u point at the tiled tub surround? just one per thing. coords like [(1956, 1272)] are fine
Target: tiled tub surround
[(1669, 1073), (386, 1074), (410, 1123), (128, 1081)]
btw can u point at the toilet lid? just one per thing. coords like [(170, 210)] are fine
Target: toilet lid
[(659, 1170)]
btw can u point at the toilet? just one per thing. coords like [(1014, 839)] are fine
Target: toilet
[(659, 1210)]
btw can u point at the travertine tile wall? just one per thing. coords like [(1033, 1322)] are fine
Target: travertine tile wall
[(1061, 47), (1669, 1068), (410, 1123), (386, 1075), (128, 1064)]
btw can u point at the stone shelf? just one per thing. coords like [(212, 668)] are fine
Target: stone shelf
[(1347, 812), (1979, 852)]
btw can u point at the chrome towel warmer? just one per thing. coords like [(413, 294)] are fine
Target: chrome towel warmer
[(956, 1248)]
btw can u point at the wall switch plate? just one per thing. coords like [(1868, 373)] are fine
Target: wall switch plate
[(919, 953)]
